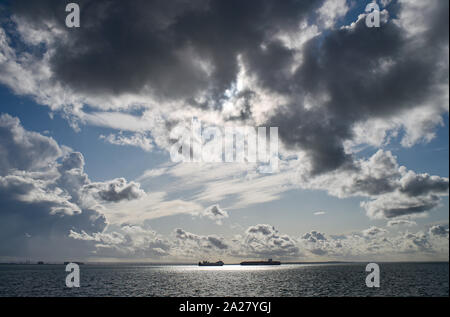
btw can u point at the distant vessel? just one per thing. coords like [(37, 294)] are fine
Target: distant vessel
[(206, 263), (269, 262), (40, 262)]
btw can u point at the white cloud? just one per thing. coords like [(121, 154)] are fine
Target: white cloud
[(115, 190), (127, 241), (401, 222), (137, 139), (392, 190), (215, 213), (373, 231), (24, 150), (45, 193), (264, 241), (331, 11), (376, 243)]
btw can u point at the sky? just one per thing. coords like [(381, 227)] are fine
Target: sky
[(89, 114)]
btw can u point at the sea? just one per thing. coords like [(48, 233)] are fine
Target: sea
[(286, 280)]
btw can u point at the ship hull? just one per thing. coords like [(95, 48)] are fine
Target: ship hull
[(261, 263), (211, 264), (206, 263)]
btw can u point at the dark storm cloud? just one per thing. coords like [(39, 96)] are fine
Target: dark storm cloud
[(364, 73), (178, 48), (319, 134), (125, 46), (346, 76), (439, 30)]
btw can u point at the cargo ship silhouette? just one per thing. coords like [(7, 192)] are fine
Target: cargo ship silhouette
[(206, 263), (269, 262)]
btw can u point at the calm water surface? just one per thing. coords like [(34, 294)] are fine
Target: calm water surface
[(397, 279)]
